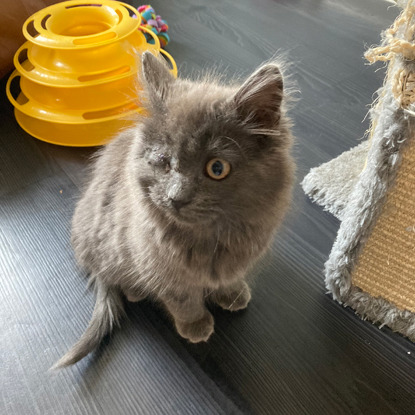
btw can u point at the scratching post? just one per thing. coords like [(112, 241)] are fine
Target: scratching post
[(371, 267)]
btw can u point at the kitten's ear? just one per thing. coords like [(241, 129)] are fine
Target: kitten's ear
[(258, 100), (157, 76)]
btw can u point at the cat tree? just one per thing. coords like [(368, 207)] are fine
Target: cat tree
[(371, 189)]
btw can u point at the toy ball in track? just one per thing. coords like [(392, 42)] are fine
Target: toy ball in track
[(155, 23)]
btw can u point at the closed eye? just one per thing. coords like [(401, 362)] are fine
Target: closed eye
[(159, 160)]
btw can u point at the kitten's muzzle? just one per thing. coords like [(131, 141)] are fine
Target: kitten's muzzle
[(178, 203), (181, 191)]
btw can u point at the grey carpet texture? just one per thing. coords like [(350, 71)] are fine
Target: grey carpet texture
[(331, 184), (355, 194)]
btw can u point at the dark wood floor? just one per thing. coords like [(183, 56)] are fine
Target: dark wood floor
[(294, 350)]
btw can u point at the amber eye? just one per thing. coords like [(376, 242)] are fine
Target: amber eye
[(218, 169)]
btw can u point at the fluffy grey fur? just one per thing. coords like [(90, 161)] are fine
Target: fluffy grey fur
[(153, 223), (366, 201), (331, 184), (368, 195), (394, 128), (382, 312)]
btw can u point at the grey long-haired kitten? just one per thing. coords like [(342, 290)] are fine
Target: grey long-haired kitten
[(181, 206)]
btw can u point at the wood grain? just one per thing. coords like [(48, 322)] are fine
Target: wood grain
[(294, 350)]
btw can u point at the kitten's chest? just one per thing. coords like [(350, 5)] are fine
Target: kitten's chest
[(207, 261)]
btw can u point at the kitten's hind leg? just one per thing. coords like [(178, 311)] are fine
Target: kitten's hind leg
[(233, 297), (191, 318)]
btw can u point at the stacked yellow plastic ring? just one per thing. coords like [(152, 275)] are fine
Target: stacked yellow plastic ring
[(77, 72)]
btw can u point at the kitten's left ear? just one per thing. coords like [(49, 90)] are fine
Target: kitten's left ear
[(258, 101), (157, 76)]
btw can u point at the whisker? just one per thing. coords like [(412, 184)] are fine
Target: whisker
[(217, 242), (210, 292), (233, 141), (234, 301)]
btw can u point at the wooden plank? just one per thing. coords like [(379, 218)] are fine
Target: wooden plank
[(293, 351)]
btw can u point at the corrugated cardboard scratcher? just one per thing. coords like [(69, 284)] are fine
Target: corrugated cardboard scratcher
[(371, 189)]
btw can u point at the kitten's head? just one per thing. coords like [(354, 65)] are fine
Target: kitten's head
[(214, 154)]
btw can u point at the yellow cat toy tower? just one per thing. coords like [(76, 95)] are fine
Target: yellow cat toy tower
[(78, 71)]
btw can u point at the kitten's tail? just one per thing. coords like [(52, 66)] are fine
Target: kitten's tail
[(107, 311)]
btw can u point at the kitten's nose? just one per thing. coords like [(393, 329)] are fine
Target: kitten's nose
[(179, 203)]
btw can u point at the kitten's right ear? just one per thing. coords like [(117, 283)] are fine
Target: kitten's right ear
[(258, 100), (157, 76)]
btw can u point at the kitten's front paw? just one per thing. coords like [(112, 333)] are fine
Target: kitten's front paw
[(234, 299), (196, 331)]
